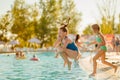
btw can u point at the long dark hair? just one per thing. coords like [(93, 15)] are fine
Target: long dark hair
[(77, 38)]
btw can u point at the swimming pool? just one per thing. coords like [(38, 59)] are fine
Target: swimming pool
[(48, 68)]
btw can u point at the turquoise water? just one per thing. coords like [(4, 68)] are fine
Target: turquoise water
[(48, 68)]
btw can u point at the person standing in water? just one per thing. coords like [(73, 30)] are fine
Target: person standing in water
[(101, 50), (67, 48)]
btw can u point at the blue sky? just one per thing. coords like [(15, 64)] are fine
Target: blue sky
[(88, 8)]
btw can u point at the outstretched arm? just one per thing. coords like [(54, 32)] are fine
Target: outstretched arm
[(56, 44), (93, 42)]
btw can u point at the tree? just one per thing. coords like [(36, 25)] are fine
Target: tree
[(118, 27), (53, 11), (87, 30), (40, 20), (21, 18), (67, 9), (107, 10), (5, 26)]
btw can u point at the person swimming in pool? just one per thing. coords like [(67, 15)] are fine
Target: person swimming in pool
[(66, 47), (34, 58), (101, 49)]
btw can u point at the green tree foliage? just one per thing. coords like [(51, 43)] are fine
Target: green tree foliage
[(67, 9), (23, 26), (54, 11), (87, 30), (107, 10), (47, 22), (107, 26), (117, 30), (41, 19), (4, 26)]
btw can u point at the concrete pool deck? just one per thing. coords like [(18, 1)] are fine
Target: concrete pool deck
[(104, 72)]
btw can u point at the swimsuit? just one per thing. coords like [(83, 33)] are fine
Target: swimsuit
[(99, 40), (72, 46), (117, 43)]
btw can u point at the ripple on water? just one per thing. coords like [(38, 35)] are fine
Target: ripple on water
[(48, 68)]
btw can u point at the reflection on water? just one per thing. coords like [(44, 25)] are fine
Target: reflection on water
[(48, 68)]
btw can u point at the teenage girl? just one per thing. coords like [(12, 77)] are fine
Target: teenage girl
[(67, 48)]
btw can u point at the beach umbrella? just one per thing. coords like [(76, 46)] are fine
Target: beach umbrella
[(13, 42), (34, 40)]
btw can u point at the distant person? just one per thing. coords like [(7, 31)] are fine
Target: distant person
[(113, 43), (8, 55), (101, 50), (34, 58), (17, 54), (79, 43), (117, 43), (22, 55)]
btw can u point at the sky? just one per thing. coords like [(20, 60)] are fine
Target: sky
[(89, 12), (88, 8)]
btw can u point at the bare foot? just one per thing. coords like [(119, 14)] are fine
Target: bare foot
[(69, 65), (92, 75), (65, 64), (115, 69), (78, 57)]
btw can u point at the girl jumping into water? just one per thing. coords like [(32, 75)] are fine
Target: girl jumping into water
[(101, 50), (67, 48)]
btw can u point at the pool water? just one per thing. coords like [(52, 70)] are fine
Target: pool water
[(48, 68)]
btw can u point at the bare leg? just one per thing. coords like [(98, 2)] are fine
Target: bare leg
[(107, 63), (78, 56), (102, 55), (95, 63), (65, 58), (71, 54), (68, 53), (65, 63)]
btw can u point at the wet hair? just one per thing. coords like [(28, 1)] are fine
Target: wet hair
[(96, 45), (34, 56), (96, 26), (64, 28), (77, 38)]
